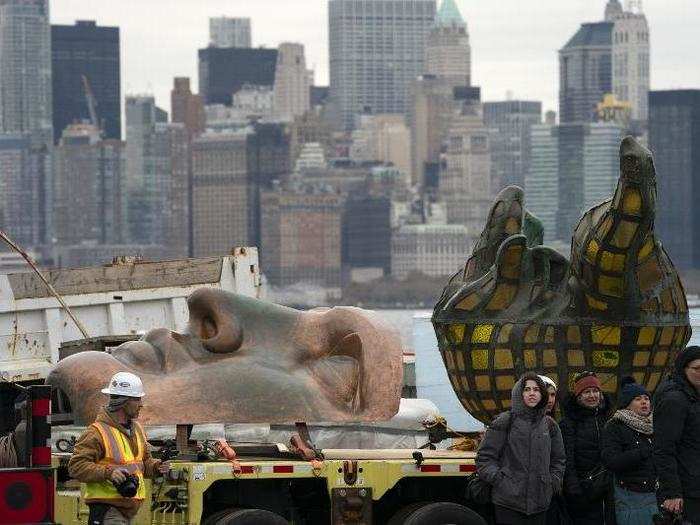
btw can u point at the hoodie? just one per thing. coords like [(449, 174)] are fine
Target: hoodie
[(522, 456), (677, 432)]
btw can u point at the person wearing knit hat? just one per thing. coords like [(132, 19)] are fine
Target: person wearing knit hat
[(628, 443), (587, 484), (677, 437)]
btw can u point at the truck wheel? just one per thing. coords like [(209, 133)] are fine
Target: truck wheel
[(443, 513), (251, 517), (400, 517)]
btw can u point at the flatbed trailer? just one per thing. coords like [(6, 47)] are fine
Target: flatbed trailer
[(347, 487)]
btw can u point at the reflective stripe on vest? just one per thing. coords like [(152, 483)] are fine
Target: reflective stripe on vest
[(118, 453)]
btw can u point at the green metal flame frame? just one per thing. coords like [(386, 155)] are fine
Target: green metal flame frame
[(617, 307)]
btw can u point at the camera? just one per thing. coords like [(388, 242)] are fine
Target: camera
[(129, 487)]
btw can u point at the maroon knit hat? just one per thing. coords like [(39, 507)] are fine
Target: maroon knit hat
[(589, 380)]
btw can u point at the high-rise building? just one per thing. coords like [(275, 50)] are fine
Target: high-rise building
[(86, 52), (435, 250), (229, 32), (292, 82), (142, 186), (447, 51), (383, 138), (310, 127), (630, 63), (573, 167), (26, 174), (89, 177), (674, 138), (301, 237), (221, 197), (433, 105), (377, 49), (224, 71), (25, 66), (186, 107), (510, 121), (366, 233), (585, 72), (465, 180)]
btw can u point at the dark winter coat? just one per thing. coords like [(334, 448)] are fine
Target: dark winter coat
[(522, 457), (627, 453), (677, 436), (582, 430)]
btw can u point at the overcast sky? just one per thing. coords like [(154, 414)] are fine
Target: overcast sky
[(514, 42)]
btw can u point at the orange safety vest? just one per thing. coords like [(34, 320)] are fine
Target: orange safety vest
[(118, 453)]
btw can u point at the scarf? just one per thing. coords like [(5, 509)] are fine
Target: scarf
[(641, 424)]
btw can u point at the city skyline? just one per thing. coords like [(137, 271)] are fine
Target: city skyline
[(501, 60)]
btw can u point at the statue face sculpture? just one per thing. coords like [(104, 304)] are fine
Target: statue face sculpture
[(618, 307), (248, 361)]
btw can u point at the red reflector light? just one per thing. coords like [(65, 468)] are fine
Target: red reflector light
[(283, 469), (430, 468), (247, 469), (26, 496), (467, 468), (41, 407)]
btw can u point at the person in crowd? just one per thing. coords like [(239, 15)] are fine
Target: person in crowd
[(677, 437), (552, 390), (628, 442), (587, 485), (522, 456)]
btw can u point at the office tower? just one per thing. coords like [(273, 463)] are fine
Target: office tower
[(382, 138), (229, 32), (377, 49), (220, 193), (292, 82), (89, 176), (465, 180), (26, 174), (366, 235), (85, 64), (510, 122), (310, 127), (542, 179), (25, 66), (186, 107), (447, 51), (585, 72), (674, 139), (224, 71), (301, 237)]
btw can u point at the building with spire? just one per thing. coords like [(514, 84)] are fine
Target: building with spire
[(613, 9), (447, 52)]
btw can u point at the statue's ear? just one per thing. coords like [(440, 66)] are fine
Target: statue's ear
[(213, 322)]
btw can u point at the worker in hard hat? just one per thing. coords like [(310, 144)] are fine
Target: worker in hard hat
[(112, 457)]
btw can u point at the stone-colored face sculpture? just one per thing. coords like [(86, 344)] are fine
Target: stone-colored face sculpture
[(618, 307), (248, 361)]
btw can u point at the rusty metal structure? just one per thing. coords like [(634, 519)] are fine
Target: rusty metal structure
[(616, 307)]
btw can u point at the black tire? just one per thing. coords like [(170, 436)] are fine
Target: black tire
[(443, 513), (251, 517), (212, 519), (404, 512)]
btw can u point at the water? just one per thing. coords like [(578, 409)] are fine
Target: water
[(417, 336)]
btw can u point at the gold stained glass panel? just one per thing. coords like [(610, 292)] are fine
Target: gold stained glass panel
[(529, 356), (611, 286), (482, 333), (504, 334), (641, 359), (605, 335), (489, 404), (450, 360), (483, 383), (549, 358), (549, 335), (654, 379), (455, 333), (638, 377), (649, 274), (632, 202), (510, 268), (612, 262), (502, 297), (573, 334), (480, 359), (646, 249), (460, 361), (605, 358), (506, 402), (575, 358), (595, 303), (624, 233), (505, 382), (666, 336), (680, 334), (469, 302), (660, 358), (646, 335), (531, 333), (608, 382), (592, 251), (503, 359)]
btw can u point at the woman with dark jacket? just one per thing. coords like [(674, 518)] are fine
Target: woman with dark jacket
[(627, 453), (586, 482), (522, 456)]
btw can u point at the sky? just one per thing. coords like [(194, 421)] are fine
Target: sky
[(514, 42)]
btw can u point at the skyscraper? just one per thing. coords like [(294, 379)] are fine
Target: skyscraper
[(542, 179), (377, 49), (25, 66), (187, 108), (293, 81), (224, 71), (229, 32), (585, 72), (90, 51), (674, 138), (510, 142), (447, 51)]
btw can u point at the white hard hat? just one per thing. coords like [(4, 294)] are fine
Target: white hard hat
[(548, 381), (125, 384)]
